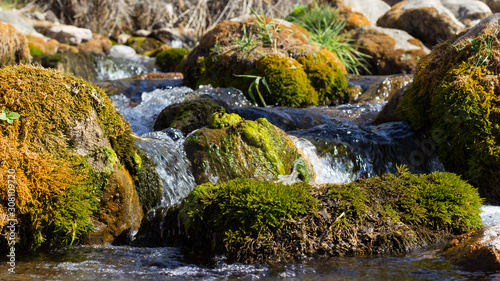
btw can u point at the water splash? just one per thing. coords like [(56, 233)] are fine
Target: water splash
[(166, 150), (112, 68)]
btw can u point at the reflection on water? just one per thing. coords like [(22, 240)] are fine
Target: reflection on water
[(128, 263)]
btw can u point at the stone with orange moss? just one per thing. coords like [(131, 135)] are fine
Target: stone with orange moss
[(99, 44), (73, 155), (428, 21), (232, 49), (391, 51), (353, 19), (478, 250), (13, 46)]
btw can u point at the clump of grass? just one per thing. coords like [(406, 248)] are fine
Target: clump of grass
[(326, 29)]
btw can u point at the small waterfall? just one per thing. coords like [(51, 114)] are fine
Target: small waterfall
[(166, 151), (112, 68), (142, 116)]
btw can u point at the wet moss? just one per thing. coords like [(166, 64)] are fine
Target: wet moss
[(252, 221), (168, 60), (233, 147), (454, 99), (57, 188), (287, 81), (326, 77)]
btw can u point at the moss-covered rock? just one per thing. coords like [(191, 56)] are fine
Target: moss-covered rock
[(71, 155), (189, 115), (454, 99), (78, 64), (13, 46), (232, 147), (250, 221), (168, 60), (143, 44), (233, 54)]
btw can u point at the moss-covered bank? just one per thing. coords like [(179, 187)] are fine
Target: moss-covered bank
[(67, 143), (232, 147), (454, 99), (251, 221)]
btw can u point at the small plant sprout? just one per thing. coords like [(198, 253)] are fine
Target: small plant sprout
[(9, 117), (255, 84), (266, 29)]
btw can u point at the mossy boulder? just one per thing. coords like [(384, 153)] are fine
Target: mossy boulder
[(252, 221), (75, 63), (13, 46), (454, 99), (170, 59), (189, 115), (143, 44), (232, 147), (73, 159), (234, 54)]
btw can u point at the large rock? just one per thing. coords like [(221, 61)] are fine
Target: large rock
[(19, 23), (391, 51), (454, 99), (427, 20), (99, 44), (251, 221), (493, 4), (70, 34), (189, 115), (297, 72), (232, 147), (353, 18), (74, 157), (478, 250), (373, 11), (13, 46), (468, 11)]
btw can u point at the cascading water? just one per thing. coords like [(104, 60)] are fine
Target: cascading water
[(112, 68), (165, 148)]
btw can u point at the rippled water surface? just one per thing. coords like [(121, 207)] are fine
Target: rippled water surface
[(127, 263)]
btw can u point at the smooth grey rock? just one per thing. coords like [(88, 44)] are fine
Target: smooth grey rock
[(402, 38), (122, 51), (467, 9), (373, 11), (70, 34), (19, 23)]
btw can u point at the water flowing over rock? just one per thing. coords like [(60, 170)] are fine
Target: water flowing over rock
[(172, 166)]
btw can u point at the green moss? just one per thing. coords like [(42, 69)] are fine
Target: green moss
[(242, 210), (143, 45), (287, 81), (222, 120), (240, 148), (34, 50), (60, 189), (248, 220), (453, 99), (326, 78), (169, 59), (147, 182)]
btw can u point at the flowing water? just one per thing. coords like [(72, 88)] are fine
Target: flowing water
[(340, 142)]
